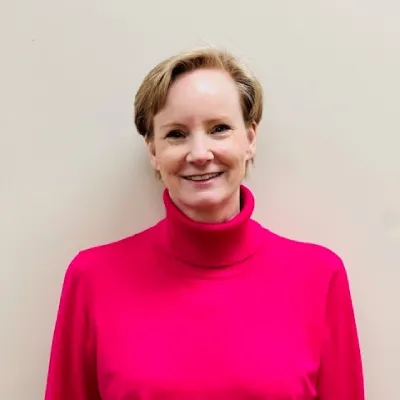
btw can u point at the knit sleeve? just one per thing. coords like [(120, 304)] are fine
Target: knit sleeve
[(72, 370), (340, 376)]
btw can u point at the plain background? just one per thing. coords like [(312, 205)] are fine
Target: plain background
[(74, 173)]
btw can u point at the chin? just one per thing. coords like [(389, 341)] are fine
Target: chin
[(205, 200)]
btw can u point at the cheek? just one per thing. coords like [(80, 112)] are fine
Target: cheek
[(170, 160), (232, 154)]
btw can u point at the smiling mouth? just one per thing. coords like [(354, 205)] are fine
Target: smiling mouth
[(203, 177)]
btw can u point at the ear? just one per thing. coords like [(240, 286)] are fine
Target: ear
[(151, 149), (251, 137)]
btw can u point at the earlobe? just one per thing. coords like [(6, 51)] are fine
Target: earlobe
[(152, 154), (251, 136)]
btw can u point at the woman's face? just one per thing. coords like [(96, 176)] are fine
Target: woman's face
[(200, 144)]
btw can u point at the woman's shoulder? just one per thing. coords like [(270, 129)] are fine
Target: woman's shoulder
[(306, 255), (111, 255)]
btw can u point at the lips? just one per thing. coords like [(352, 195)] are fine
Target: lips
[(202, 177)]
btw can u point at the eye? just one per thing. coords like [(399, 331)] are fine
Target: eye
[(221, 128), (175, 135)]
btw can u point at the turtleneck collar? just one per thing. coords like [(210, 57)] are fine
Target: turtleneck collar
[(212, 244)]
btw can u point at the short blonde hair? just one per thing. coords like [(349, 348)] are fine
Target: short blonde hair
[(152, 93)]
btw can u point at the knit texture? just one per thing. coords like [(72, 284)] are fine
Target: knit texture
[(195, 311)]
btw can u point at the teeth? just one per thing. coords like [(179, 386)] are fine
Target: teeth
[(201, 177)]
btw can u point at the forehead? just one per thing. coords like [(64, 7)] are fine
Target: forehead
[(201, 94)]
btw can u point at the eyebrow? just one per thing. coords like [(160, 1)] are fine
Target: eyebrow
[(208, 122), (172, 124)]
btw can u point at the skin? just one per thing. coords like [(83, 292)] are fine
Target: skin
[(200, 131)]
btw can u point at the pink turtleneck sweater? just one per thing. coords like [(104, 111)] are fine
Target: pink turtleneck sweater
[(190, 311)]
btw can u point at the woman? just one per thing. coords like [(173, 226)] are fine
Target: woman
[(206, 304)]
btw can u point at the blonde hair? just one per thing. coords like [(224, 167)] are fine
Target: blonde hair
[(152, 93)]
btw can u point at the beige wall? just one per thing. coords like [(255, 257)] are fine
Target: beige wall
[(73, 172)]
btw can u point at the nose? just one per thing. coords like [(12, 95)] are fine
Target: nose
[(199, 152)]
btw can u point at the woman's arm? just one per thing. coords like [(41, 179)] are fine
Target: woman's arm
[(341, 376), (72, 368)]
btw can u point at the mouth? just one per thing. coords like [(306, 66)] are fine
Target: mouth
[(202, 177)]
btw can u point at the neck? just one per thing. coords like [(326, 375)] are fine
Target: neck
[(220, 213), (212, 244)]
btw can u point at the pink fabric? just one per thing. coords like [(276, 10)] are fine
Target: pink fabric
[(194, 311)]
